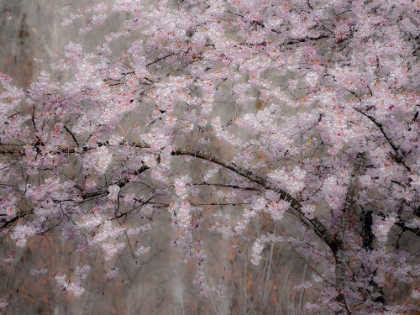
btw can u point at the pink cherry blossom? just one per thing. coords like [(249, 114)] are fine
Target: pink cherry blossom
[(257, 122)]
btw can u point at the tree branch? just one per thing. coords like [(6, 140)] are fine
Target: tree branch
[(399, 158), (340, 256), (295, 206)]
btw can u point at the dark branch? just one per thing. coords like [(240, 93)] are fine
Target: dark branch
[(399, 158), (340, 256), (295, 207)]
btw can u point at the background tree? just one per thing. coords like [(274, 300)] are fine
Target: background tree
[(322, 133)]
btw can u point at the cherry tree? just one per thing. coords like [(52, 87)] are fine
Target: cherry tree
[(305, 111)]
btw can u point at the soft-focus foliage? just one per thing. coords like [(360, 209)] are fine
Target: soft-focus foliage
[(306, 109)]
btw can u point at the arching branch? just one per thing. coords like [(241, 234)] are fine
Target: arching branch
[(295, 206)]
